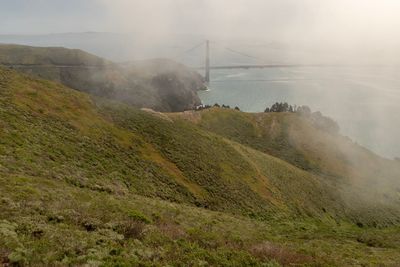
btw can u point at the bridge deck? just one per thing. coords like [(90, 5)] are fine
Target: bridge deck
[(262, 66)]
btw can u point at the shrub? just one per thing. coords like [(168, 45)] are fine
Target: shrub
[(205, 239), (137, 216), (55, 218), (131, 229), (90, 224), (18, 257)]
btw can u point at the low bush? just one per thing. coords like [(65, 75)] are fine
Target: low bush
[(131, 229), (137, 216)]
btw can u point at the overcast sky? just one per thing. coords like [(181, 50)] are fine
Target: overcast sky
[(330, 30), (316, 20)]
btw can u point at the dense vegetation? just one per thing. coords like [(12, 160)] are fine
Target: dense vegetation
[(89, 181), (282, 107)]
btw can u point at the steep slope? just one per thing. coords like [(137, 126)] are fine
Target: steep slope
[(112, 147), (76, 174), (158, 84), (365, 181), (50, 131)]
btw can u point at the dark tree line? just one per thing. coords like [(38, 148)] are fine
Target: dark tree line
[(285, 107), (280, 107), (317, 119), (216, 105)]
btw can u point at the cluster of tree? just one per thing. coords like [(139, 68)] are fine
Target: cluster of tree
[(280, 107), (317, 119), (216, 105), (285, 107)]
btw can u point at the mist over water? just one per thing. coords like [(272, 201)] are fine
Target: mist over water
[(363, 100)]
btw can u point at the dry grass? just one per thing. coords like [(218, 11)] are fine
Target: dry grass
[(172, 230), (284, 256), (4, 261)]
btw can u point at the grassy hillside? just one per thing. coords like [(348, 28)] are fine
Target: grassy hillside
[(89, 181), (51, 131), (50, 222), (158, 84), (367, 184), (27, 55)]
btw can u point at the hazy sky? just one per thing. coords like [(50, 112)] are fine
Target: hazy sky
[(306, 20), (363, 30)]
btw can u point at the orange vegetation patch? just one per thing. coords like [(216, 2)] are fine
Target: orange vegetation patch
[(150, 153), (284, 256)]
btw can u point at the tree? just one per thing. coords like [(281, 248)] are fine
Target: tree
[(304, 110), (237, 108), (274, 107), (284, 107)]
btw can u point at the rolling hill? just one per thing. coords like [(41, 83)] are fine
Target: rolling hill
[(310, 143), (89, 180), (159, 84)]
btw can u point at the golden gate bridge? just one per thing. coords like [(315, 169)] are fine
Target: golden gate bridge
[(207, 67)]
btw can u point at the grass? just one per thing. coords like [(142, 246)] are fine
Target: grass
[(91, 227), (20, 54), (357, 175), (86, 181)]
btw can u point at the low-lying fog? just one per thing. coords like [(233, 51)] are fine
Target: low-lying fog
[(358, 39)]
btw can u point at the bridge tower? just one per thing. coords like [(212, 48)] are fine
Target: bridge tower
[(207, 75)]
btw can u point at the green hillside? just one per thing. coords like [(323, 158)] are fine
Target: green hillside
[(162, 85), (27, 55), (90, 181), (55, 132), (361, 177)]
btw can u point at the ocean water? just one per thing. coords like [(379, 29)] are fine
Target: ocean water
[(365, 101)]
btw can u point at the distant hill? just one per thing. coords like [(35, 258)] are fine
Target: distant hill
[(162, 85), (28, 55), (88, 180), (117, 47)]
